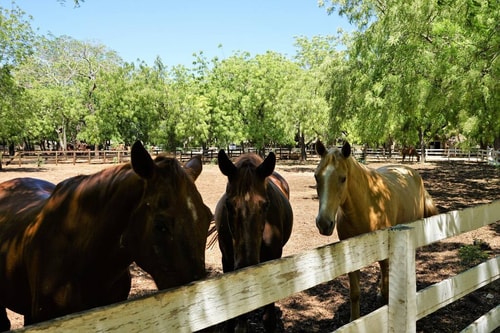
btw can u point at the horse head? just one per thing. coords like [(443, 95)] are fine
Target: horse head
[(331, 184), (246, 203), (171, 220)]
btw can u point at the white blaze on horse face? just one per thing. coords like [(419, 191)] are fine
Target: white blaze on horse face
[(192, 208), (328, 201)]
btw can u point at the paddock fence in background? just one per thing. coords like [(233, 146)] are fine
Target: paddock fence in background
[(39, 158)]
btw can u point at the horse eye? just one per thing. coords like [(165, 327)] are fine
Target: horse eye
[(343, 179)]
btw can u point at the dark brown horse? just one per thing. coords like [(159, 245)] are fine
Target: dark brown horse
[(69, 248), (253, 218), (358, 200), (410, 152)]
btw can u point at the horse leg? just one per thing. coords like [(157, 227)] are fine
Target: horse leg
[(269, 318), (4, 320), (354, 292), (384, 280)]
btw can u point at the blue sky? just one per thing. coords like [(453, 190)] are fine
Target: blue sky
[(174, 30)]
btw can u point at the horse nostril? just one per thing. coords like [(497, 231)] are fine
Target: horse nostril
[(325, 226)]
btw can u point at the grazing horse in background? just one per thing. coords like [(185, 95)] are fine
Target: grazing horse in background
[(410, 152), (68, 248), (359, 200), (253, 219)]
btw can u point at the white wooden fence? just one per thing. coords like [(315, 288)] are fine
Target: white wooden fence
[(490, 156), (205, 303)]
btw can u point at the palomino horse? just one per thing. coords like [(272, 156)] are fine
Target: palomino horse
[(253, 219), (410, 152), (360, 200), (68, 248)]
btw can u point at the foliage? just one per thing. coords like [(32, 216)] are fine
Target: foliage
[(419, 69), (16, 36), (471, 255)]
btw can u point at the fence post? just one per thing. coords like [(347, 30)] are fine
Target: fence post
[(402, 313)]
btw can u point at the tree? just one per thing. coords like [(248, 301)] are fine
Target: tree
[(62, 75), (418, 66), (16, 37), (317, 58)]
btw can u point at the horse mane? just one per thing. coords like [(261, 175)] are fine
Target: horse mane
[(116, 174), (108, 177)]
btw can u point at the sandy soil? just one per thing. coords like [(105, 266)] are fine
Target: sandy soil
[(454, 185)]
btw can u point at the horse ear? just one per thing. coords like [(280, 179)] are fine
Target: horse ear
[(266, 168), (320, 148), (141, 161), (225, 165), (346, 149), (193, 167)]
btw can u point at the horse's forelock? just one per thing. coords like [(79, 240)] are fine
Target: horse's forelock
[(250, 159), (247, 179)]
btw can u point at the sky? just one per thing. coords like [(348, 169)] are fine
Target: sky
[(174, 30)]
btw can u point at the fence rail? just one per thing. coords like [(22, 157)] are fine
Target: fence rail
[(66, 157), (206, 303), (480, 155)]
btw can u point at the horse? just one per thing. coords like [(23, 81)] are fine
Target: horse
[(410, 152), (359, 200), (68, 247), (253, 219)]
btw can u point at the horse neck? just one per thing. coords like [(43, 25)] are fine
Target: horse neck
[(123, 192), (359, 178), (103, 201)]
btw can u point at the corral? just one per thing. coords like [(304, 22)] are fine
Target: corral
[(325, 307)]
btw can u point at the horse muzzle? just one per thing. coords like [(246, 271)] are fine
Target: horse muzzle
[(325, 226)]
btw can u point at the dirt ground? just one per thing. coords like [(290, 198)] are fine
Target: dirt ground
[(324, 308)]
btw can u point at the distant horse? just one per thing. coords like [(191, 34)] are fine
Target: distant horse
[(68, 248), (253, 219), (410, 152), (360, 200)]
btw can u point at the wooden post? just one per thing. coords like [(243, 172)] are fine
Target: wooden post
[(74, 157), (402, 281)]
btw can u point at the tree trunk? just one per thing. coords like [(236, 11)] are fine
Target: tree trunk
[(422, 144), (302, 143)]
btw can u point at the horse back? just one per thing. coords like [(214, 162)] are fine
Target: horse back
[(23, 196), (21, 200), (280, 183), (407, 193)]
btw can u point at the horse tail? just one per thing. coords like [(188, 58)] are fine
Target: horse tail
[(212, 231), (430, 208)]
